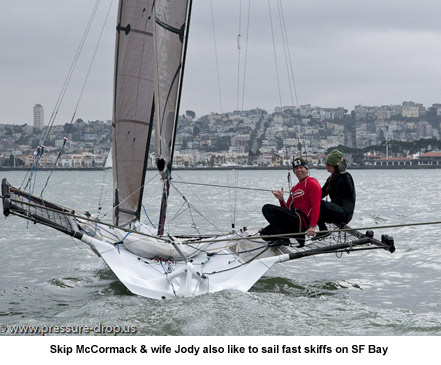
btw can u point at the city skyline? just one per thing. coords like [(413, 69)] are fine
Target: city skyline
[(255, 138), (406, 103), (344, 54)]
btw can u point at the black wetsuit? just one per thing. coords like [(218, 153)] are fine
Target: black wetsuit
[(340, 188)]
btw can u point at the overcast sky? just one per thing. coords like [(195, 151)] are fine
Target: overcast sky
[(343, 53)]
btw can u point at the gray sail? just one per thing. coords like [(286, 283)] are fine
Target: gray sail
[(171, 27), (133, 107)]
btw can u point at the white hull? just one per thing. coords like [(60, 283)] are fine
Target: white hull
[(163, 279), (153, 266), (168, 267)]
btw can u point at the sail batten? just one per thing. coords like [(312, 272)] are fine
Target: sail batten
[(133, 107)]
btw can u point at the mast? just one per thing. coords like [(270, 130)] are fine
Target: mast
[(171, 35)]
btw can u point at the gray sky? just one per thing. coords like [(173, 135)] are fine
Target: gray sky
[(343, 52)]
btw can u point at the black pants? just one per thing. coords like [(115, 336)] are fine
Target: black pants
[(281, 220), (331, 213)]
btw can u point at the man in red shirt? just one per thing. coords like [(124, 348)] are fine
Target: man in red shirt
[(299, 214)]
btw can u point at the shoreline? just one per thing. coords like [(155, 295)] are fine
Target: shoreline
[(412, 167)]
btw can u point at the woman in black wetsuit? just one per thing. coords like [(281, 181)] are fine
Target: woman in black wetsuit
[(340, 188)]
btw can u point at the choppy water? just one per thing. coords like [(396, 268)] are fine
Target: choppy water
[(47, 278)]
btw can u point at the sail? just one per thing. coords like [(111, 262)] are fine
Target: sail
[(171, 29), (108, 163), (133, 106)]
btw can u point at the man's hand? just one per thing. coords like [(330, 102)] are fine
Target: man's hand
[(279, 193), (310, 231)]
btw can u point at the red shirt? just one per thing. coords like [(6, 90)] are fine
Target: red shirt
[(306, 196)]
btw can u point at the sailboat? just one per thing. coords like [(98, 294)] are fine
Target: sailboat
[(151, 41)]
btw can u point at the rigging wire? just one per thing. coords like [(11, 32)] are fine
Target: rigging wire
[(194, 208), (180, 211), (134, 192), (289, 54), (235, 196), (289, 67), (70, 73), (103, 186), (185, 200), (240, 265), (288, 63), (341, 230), (246, 54), (222, 186), (80, 96), (275, 53), (215, 55), (65, 84), (229, 199), (232, 201), (238, 55)]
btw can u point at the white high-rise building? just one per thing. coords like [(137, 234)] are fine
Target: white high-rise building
[(38, 116)]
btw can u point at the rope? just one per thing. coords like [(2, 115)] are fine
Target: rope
[(89, 234), (122, 241), (145, 212)]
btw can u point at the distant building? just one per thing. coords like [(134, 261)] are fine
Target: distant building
[(395, 161), (430, 158), (38, 116), (409, 111)]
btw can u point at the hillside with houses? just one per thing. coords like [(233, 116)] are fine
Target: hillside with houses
[(394, 135)]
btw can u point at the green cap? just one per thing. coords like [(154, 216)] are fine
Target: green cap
[(334, 158)]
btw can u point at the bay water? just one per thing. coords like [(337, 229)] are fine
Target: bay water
[(49, 279)]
